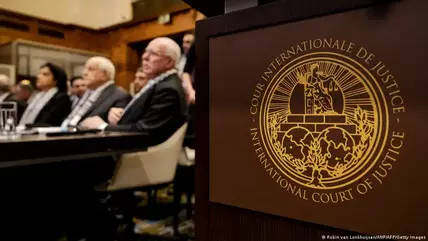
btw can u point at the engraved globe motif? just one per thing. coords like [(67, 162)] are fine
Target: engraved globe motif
[(337, 147), (296, 142), (321, 117)]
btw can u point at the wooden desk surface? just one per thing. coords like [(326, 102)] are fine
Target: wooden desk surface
[(43, 137), (35, 149)]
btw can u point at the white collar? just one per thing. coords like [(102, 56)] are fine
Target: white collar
[(50, 91), (103, 86), (159, 78), (164, 75)]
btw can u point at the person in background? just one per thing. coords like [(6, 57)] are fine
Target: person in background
[(52, 104), (189, 83), (78, 89), (188, 40), (5, 90), (102, 94), (7, 96), (25, 91), (188, 76), (140, 80)]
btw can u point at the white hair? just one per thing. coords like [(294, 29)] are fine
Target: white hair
[(171, 48), (104, 64)]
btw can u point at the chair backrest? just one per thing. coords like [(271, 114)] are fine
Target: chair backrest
[(155, 166), (177, 137)]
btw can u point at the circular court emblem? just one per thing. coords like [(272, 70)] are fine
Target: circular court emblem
[(320, 118), (324, 121)]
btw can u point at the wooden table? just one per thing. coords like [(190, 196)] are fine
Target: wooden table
[(37, 149), (36, 197)]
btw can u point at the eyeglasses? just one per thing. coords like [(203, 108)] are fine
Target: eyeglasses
[(153, 53)]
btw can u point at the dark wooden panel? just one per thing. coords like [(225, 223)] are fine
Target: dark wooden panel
[(283, 12), (43, 149), (223, 223), (233, 224), (208, 8)]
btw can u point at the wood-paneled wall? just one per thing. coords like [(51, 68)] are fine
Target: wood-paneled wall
[(114, 43), (74, 37), (126, 59)]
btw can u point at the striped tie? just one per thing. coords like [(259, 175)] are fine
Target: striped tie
[(73, 118)]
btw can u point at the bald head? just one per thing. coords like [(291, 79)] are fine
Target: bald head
[(4, 83), (161, 55)]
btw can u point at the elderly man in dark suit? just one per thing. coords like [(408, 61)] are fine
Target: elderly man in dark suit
[(159, 108), (102, 95)]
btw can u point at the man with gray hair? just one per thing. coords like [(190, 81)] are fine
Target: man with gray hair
[(102, 94), (7, 96), (159, 108)]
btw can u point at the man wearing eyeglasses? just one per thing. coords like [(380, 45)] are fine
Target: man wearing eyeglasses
[(159, 108)]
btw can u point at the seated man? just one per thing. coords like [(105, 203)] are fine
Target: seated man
[(102, 94), (77, 89), (159, 108), (25, 91), (7, 96)]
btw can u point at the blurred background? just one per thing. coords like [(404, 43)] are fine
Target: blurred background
[(68, 32)]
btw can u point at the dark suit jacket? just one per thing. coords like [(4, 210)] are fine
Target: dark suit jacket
[(111, 96), (159, 112), (55, 111), (20, 105)]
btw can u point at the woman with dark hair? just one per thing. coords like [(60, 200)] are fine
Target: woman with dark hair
[(52, 104)]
